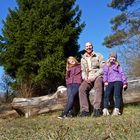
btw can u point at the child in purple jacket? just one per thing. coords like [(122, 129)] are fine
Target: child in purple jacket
[(115, 81), (73, 81)]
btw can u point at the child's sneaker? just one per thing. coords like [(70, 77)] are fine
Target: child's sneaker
[(62, 116), (105, 112), (116, 112), (70, 114)]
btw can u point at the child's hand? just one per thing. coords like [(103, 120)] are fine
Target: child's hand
[(125, 87), (106, 83)]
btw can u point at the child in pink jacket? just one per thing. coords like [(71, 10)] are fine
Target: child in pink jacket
[(73, 81)]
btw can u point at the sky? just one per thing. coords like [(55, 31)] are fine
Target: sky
[(96, 16)]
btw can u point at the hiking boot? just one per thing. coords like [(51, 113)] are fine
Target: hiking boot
[(105, 112), (84, 114), (116, 112), (97, 112)]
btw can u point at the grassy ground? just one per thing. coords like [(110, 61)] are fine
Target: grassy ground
[(49, 127)]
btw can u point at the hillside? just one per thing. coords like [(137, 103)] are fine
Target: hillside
[(49, 127)]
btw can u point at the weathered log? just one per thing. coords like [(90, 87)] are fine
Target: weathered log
[(39, 105), (129, 96), (9, 114), (6, 111), (57, 101)]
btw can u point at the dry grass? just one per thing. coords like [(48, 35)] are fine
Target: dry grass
[(49, 127)]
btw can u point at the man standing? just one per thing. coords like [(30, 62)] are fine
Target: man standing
[(92, 67)]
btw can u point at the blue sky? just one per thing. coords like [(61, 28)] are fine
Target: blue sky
[(95, 14), (97, 17)]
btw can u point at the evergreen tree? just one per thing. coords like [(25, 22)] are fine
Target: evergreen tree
[(37, 38)]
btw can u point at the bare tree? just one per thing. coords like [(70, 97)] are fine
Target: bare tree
[(5, 85), (130, 56)]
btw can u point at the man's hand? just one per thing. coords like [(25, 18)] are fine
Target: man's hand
[(88, 80), (92, 78)]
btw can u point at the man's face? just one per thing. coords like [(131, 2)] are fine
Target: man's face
[(88, 47)]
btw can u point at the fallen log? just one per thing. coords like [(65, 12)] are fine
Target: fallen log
[(39, 105), (9, 114), (131, 98), (6, 111), (57, 101)]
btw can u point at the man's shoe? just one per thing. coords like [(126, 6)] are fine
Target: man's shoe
[(84, 114), (97, 112), (105, 112)]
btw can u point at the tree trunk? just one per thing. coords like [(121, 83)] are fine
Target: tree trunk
[(57, 101), (39, 105)]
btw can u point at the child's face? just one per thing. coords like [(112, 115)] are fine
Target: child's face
[(112, 59), (71, 62)]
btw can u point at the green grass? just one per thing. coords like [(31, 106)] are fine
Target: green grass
[(49, 127)]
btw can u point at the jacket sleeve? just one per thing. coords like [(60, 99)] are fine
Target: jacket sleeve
[(124, 79), (83, 69), (67, 76), (105, 73), (101, 64)]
